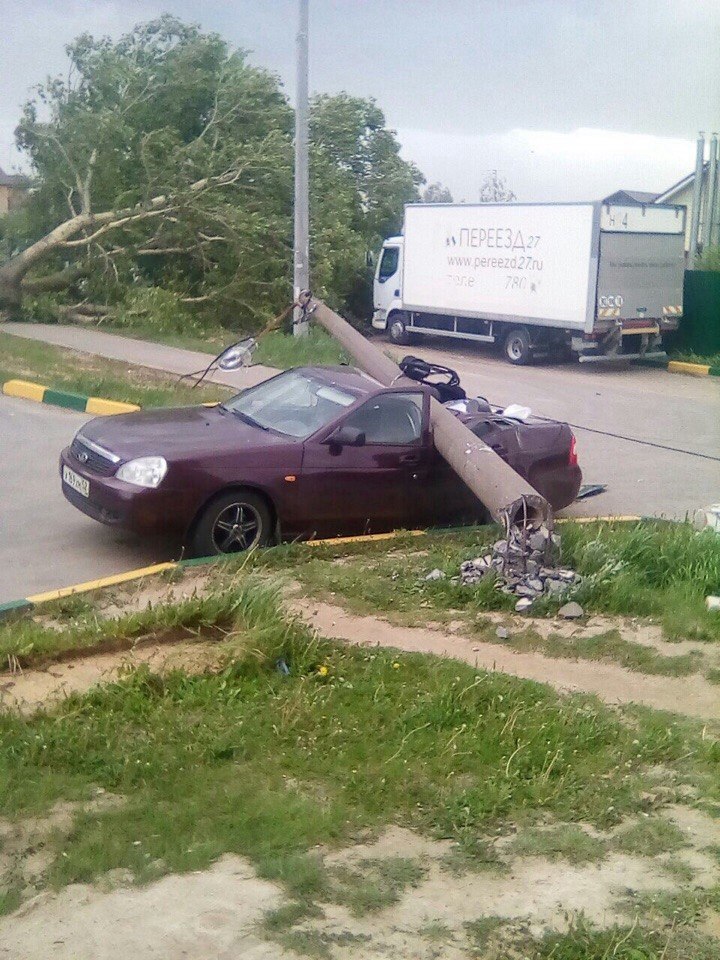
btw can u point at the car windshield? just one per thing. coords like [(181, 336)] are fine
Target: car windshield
[(294, 404)]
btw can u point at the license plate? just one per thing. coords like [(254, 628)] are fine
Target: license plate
[(76, 482)]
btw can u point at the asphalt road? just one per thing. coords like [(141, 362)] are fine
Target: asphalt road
[(45, 543)]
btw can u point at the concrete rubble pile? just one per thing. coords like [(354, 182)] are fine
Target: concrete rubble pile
[(525, 565)]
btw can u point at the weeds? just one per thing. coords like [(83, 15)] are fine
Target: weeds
[(373, 885), (568, 842), (282, 350), (250, 761), (650, 837), (649, 569)]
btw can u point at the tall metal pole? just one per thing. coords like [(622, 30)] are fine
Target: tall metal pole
[(697, 200), (301, 270), (710, 205)]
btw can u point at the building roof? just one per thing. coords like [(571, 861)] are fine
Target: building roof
[(680, 185), (12, 179), (631, 196)]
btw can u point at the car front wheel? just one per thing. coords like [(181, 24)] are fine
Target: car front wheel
[(232, 523)]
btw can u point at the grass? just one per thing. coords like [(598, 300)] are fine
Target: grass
[(650, 837), (480, 931), (711, 359), (26, 642), (609, 647), (246, 760), (24, 359), (373, 885), (283, 350), (647, 569), (568, 842), (275, 349)]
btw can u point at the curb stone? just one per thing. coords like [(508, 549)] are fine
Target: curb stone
[(62, 398), (12, 607), (694, 369)]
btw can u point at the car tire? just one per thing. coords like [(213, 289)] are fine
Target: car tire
[(517, 347), (234, 522), (397, 329)]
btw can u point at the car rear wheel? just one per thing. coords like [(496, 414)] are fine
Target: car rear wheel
[(398, 330), (517, 346), (232, 523)]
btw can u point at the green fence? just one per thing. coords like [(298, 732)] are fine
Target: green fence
[(700, 326)]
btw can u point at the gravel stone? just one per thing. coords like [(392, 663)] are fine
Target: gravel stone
[(571, 611)]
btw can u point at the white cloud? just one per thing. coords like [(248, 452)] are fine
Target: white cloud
[(585, 164)]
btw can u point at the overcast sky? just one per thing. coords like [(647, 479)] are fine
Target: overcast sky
[(570, 99)]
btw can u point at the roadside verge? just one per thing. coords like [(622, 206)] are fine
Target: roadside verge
[(27, 603)]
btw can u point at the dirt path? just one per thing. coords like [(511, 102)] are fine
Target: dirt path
[(29, 690), (210, 913), (693, 695)]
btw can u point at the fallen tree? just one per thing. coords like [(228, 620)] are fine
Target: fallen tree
[(162, 162)]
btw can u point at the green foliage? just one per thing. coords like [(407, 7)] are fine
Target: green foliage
[(165, 108), (160, 310), (710, 259)]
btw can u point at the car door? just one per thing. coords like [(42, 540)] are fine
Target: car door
[(370, 487)]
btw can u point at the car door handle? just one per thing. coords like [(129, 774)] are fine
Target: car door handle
[(410, 458)]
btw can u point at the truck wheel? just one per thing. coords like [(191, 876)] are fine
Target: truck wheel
[(232, 523), (398, 330), (517, 346)]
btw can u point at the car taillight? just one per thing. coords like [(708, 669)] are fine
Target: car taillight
[(572, 456)]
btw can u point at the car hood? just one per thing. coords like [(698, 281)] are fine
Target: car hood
[(177, 433)]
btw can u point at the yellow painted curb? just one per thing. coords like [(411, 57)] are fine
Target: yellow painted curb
[(365, 538), (109, 407), (102, 582), (694, 369), (620, 519), (24, 389)]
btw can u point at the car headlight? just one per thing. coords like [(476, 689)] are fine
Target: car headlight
[(143, 472)]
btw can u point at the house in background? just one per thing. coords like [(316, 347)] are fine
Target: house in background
[(13, 190), (682, 193), (633, 197)]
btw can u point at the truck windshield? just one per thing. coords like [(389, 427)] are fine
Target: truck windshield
[(389, 263), (293, 404)]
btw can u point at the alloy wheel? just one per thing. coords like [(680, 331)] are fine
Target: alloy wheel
[(236, 528)]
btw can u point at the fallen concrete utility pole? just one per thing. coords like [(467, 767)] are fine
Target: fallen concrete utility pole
[(507, 496)]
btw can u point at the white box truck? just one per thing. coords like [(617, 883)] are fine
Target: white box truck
[(604, 281)]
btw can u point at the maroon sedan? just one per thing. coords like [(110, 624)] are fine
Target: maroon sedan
[(315, 451)]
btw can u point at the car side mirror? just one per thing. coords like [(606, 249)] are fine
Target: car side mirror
[(346, 436)]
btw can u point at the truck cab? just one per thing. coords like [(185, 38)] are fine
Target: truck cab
[(387, 286)]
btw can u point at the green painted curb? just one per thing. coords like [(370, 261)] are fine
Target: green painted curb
[(59, 398), (714, 372), (14, 606)]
